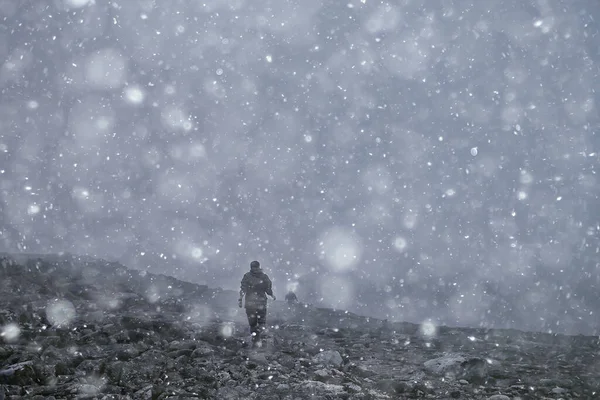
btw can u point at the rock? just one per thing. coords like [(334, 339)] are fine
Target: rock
[(559, 390), (143, 394), (258, 358), (21, 374), (322, 375), (85, 389), (391, 386), (233, 393), (321, 388), (360, 370), (202, 350), (458, 366), (328, 358), (499, 397), (283, 387)]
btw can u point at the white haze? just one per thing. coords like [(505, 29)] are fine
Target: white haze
[(406, 160)]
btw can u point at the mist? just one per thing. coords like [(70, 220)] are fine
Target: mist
[(413, 162)]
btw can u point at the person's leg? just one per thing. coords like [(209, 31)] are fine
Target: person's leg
[(252, 321), (261, 318)]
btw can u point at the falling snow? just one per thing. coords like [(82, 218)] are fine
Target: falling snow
[(406, 161), (61, 313)]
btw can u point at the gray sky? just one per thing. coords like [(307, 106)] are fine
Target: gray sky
[(400, 159)]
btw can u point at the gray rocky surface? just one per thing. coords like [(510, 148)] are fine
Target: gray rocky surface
[(79, 328)]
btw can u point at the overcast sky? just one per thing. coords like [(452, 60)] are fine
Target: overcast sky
[(397, 159)]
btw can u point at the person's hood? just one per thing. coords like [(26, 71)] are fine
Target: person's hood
[(256, 272)]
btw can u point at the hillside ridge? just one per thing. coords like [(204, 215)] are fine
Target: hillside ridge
[(79, 327)]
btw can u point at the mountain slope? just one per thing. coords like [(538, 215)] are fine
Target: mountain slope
[(75, 327)]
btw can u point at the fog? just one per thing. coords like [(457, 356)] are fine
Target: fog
[(414, 162)]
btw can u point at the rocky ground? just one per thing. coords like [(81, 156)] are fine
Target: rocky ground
[(76, 328)]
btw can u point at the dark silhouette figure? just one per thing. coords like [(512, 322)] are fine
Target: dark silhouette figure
[(291, 298), (255, 286)]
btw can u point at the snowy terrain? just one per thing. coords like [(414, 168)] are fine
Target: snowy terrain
[(87, 329)]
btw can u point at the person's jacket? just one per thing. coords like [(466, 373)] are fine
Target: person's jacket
[(256, 285)]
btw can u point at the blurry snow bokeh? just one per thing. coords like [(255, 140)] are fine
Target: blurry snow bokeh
[(10, 332), (60, 313), (411, 160)]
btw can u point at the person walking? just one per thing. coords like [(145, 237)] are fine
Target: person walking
[(291, 298), (255, 287)]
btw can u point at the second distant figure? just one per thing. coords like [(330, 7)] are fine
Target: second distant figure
[(291, 298), (255, 286)]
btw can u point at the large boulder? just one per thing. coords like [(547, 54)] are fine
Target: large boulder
[(458, 366), (329, 358)]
